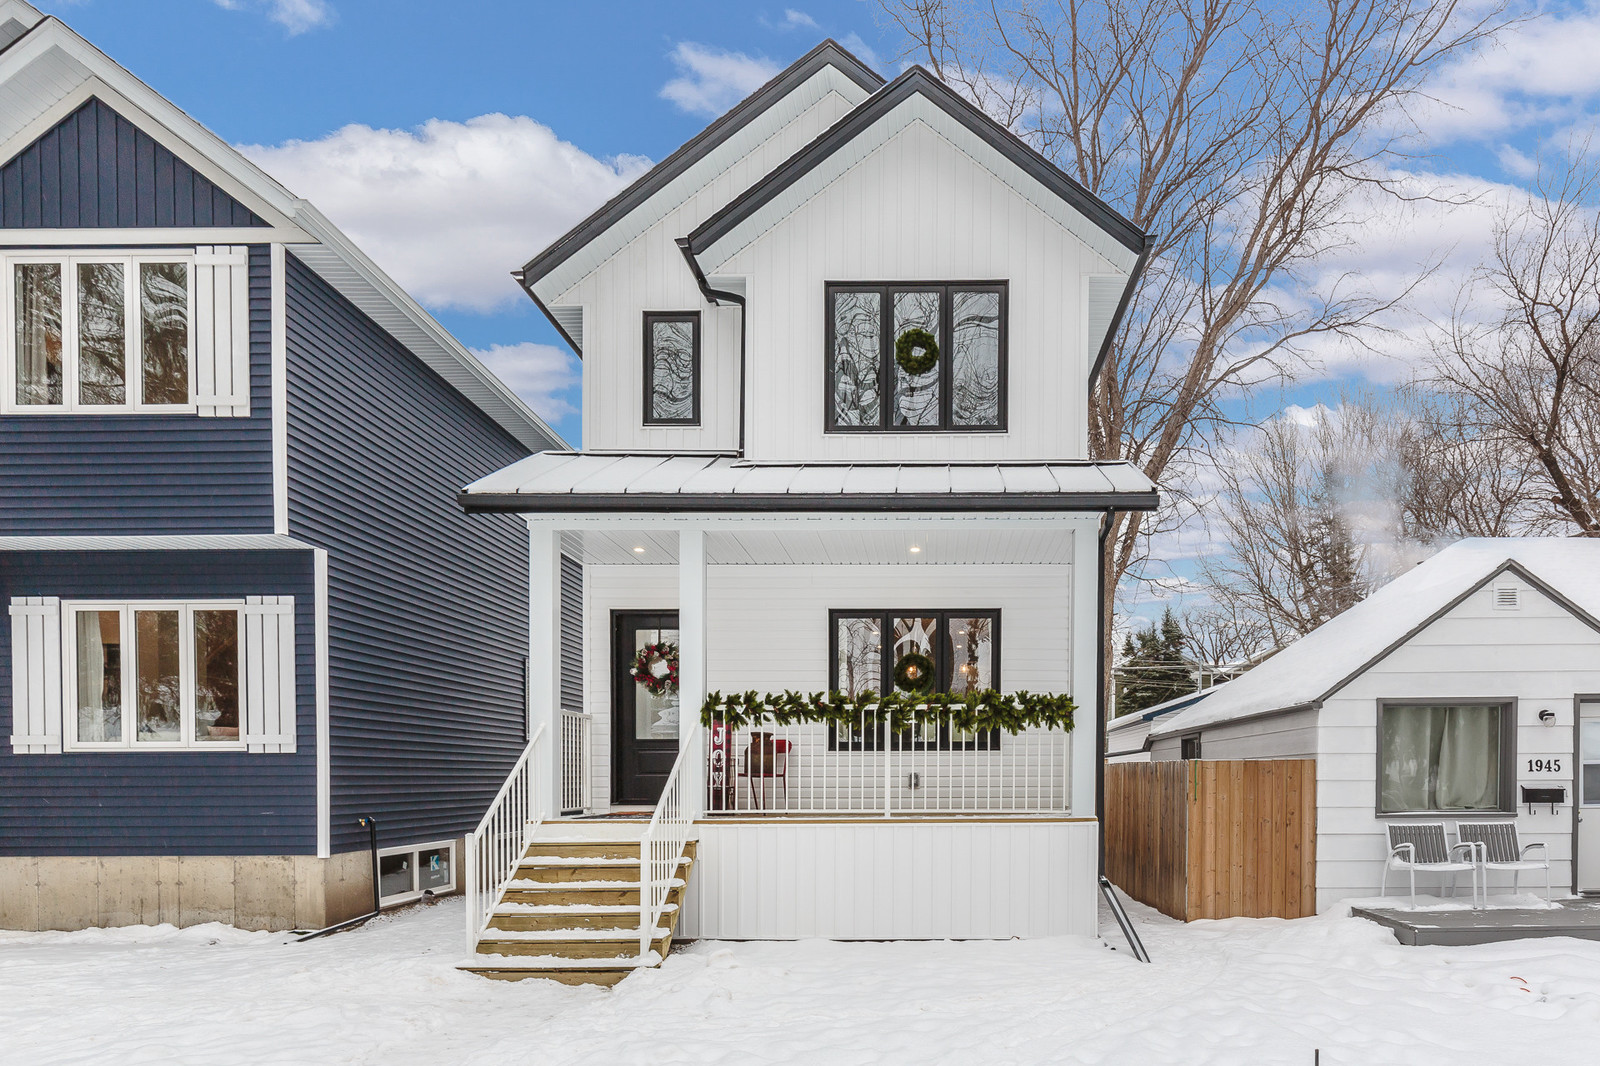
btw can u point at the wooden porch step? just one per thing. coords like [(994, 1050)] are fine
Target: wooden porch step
[(598, 849), (530, 917), (566, 971), (572, 944)]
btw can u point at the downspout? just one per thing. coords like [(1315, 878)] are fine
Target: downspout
[(716, 297), (1100, 697)]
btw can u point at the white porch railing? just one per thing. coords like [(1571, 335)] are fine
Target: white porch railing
[(501, 839), (577, 739), (931, 768), (661, 848)]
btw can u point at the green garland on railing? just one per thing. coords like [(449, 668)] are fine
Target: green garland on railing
[(975, 713)]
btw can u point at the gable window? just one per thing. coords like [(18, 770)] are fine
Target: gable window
[(153, 675), (914, 651), (99, 333), (916, 356), (672, 368), (1440, 757)]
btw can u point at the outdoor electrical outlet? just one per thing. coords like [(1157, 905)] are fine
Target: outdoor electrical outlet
[(913, 780)]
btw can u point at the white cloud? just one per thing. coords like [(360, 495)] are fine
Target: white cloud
[(543, 375), (797, 20), (861, 50), (712, 80), (296, 16), (450, 208)]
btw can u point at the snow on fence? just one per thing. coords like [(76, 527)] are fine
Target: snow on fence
[(931, 768), (1233, 839)]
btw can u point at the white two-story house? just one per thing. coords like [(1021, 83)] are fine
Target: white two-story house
[(837, 356)]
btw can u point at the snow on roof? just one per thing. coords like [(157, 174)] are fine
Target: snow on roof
[(1177, 703), (599, 481), (1321, 662)]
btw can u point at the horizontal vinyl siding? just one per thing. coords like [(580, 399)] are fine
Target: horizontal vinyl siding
[(1282, 736), (90, 473), (94, 168), (168, 803), (571, 633), (428, 609), (1539, 655)]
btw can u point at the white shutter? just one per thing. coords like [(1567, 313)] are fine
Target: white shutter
[(36, 675), (222, 330), (269, 674)]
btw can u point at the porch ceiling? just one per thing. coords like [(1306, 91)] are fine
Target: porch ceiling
[(928, 545)]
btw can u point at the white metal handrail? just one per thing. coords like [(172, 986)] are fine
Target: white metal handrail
[(929, 768), (662, 846), (501, 839), (577, 739)]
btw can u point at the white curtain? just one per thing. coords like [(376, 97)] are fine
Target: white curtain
[(1441, 758), (91, 679)]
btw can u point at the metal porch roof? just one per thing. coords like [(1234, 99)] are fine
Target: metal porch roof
[(597, 483)]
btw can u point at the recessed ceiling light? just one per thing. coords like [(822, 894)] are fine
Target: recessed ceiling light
[(639, 550), (915, 549)]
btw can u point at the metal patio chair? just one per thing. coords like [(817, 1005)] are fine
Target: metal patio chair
[(1496, 846), (1422, 846)]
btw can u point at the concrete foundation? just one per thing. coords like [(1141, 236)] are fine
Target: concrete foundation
[(249, 891)]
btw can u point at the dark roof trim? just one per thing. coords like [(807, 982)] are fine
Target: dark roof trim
[(1109, 341), (577, 349), (828, 53), (1509, 565), (915, 81), (719, 503), (24, 35)]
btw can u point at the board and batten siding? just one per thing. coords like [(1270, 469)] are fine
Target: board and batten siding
[(767, 626), (1539, 654), (162, 803), (94, 168), (147, 473), (918, 209), (649, 274), (918, 880), (428, 605)]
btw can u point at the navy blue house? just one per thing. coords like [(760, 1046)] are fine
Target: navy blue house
[(242, 607)]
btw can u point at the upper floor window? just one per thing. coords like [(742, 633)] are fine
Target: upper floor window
[(672, 368), (916, 356), (96, 332)]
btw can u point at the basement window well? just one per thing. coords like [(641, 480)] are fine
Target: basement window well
[(407, 873)]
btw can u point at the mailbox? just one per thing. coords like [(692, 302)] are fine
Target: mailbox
[(1555, 796)]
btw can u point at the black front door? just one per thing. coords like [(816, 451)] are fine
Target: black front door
[(644, 725)]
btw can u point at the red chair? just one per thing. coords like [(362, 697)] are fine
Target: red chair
[(760, 762)]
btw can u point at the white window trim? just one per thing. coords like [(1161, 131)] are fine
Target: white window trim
[(133, 357), (186, 672), (415, 851)]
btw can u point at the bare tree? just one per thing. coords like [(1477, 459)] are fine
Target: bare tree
[(1220, 634), (1520, 390), (1309, 518), (1461, 482), (1243, 135)]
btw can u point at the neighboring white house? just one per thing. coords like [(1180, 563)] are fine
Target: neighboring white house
[(1128, 735), (1446, 694), (837, 355)]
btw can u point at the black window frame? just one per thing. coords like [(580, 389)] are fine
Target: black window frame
[(873, 739), (886, 340), (1507, 706), (650, 319), (1189, 747)]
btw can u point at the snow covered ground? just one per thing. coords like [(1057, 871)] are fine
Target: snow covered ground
[(1239, 991)]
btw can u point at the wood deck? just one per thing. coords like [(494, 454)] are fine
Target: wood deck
[(1578, 918)]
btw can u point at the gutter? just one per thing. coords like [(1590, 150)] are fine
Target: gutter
[(1309, 705), (684, 503), (715, 297)]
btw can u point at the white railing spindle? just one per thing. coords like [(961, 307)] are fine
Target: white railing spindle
[(498, 844), (577, 786), (662, 846)]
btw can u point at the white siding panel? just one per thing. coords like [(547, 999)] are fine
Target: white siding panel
[(907, 880), (1539, 655)]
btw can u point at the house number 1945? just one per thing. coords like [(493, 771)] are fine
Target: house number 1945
[(1544, 766)]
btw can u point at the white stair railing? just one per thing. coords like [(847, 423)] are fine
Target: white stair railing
[(662, 846), (577, 733), (502, 837)]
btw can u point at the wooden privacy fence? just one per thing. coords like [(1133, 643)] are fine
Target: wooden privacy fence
[(1235, 839)]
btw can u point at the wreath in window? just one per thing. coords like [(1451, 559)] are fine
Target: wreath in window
[(913, 672), (917, 351), (656, 668)]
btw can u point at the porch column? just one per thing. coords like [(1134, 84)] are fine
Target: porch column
[(544, 656), (691, 659), (1085, 630)]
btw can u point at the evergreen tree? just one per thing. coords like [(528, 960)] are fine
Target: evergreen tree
[(1153, 668)]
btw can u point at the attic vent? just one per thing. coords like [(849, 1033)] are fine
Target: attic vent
[(1506, 598)]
